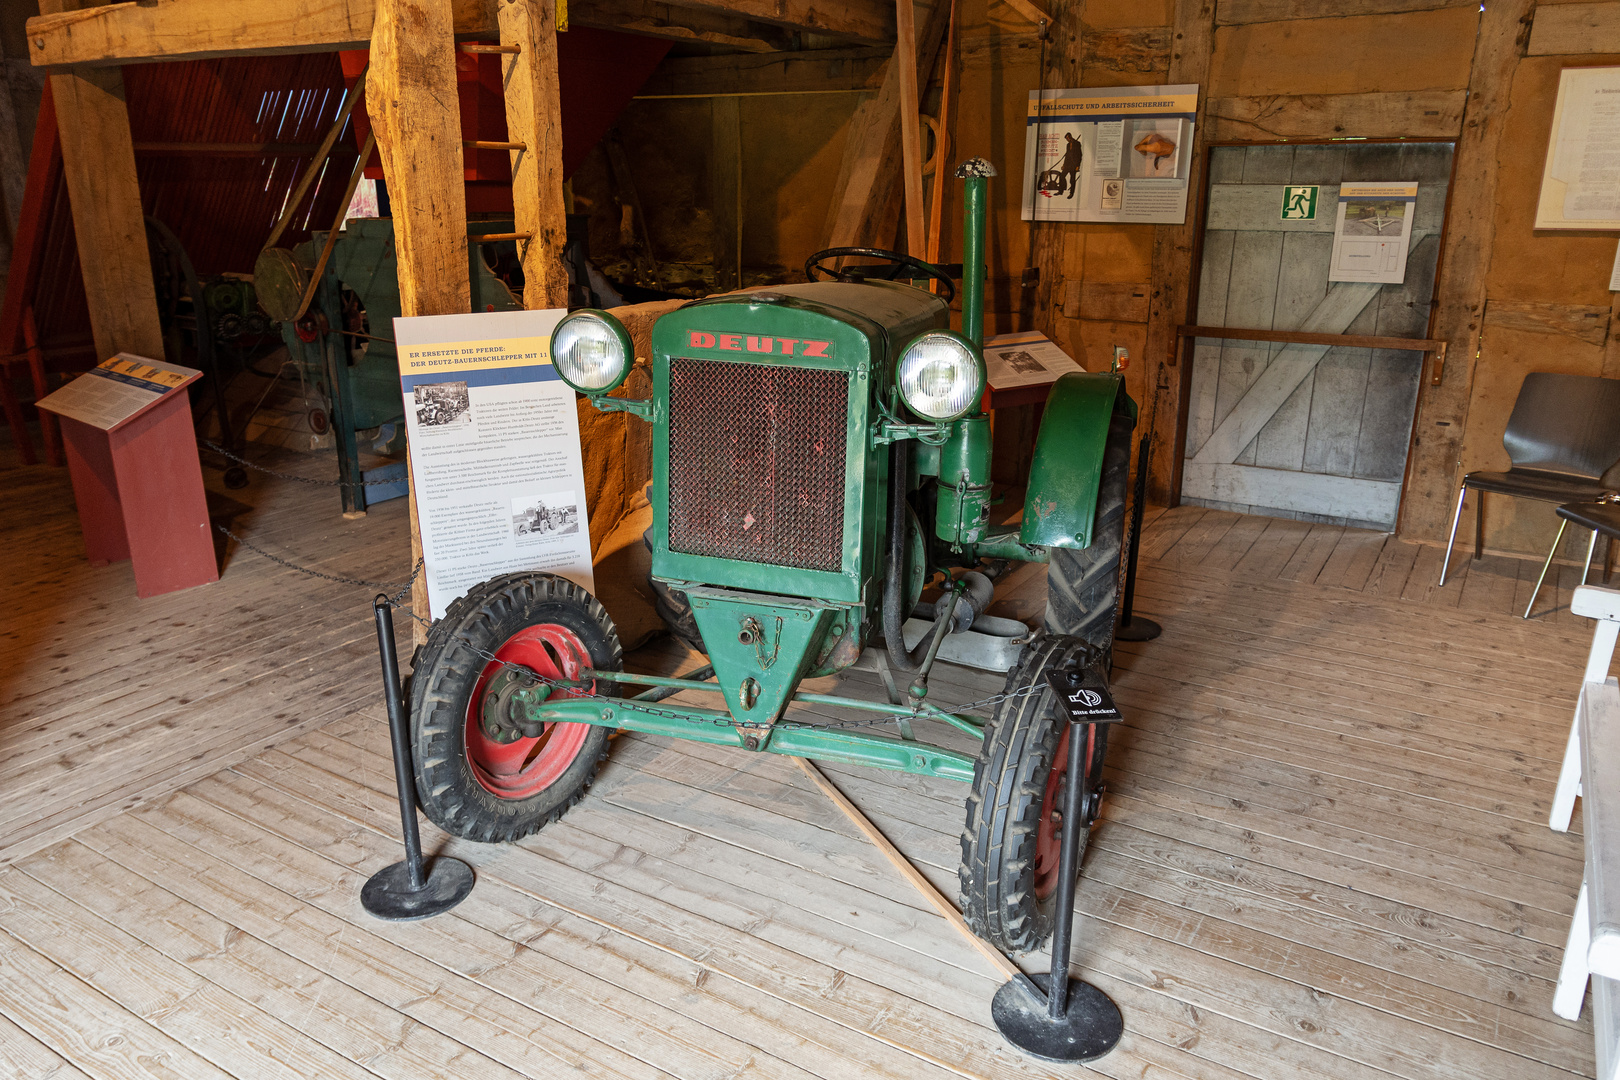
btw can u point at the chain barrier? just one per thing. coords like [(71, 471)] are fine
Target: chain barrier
[(404, 587), (216, 448), (571, 690)]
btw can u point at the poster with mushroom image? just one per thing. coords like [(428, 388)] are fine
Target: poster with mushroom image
[(1117, 153)]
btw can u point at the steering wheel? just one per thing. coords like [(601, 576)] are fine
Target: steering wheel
[(898, 261)]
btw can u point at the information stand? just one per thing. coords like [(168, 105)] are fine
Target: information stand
[(1021, 369), (132, 453)]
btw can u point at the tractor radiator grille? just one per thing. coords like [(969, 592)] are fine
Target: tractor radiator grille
[(756, 462)]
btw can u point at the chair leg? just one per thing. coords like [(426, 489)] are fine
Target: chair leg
[(1562, 525), (1570, 991), (1568, 787), (1479, 526), (1590, 548), (1462, 493)]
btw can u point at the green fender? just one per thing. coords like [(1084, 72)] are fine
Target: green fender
[(1060, 506)]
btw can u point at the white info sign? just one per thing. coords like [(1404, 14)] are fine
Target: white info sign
[(494, 442)]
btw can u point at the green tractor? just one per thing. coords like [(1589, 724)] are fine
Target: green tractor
[(819, 457)]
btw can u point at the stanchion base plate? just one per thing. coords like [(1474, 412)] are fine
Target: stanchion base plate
[(388, 893), (1138, 629), (1091, 1027)]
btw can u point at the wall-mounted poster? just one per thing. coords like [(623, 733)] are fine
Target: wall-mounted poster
[(1115, 153), (494, 443), (1580, 184), (1373, 232)]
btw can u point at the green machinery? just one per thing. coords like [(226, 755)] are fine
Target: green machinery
[(343, 342), (819, 456)]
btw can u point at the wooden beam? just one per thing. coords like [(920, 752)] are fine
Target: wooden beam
[(1396, 114), (194, 29), (670, 22), (1582, 322), (813, 71), (534, 118), (1460, 291), (135, 32), (1142, 50), (725, 192), (1237, 12), (411, 96), (1574, 29), (857, 213), (1173, 270), (905, 60), (98, 163), (869, 22)]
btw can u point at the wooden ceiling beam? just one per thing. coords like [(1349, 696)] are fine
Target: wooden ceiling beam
[(650, 18), (811, 71), (149, 30)]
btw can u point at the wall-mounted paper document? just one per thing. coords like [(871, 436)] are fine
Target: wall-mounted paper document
[(1117, 153), (1580, 185), (1373, 232), (495, 457)]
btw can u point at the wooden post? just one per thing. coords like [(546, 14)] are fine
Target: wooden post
[(905, 63), (1433, 464), (412, 98), (725, 187), (1193, 42), (98, 162), (534, 118), (857, 213)]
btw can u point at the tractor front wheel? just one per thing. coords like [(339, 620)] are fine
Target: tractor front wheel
[(1011, 842), (473, 779), (1083, 585)]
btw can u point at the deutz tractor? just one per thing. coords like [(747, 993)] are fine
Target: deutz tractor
[(820, 456)]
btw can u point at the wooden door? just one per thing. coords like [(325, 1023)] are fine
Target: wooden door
[(1306, 431)]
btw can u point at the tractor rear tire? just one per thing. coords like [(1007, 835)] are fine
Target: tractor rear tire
[(673, 607), (470, 784), (1083, 585), (1010, 843)]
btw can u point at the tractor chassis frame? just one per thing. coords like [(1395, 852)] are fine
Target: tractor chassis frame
[(648, 714)]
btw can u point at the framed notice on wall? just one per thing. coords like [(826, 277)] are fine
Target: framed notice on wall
[(494, 444), (1580, 184), (1115, 153)]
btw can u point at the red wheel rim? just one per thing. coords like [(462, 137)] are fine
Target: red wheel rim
[(1049, 835), (520, 769)]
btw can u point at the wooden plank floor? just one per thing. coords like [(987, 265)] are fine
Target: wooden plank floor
[(1324, 848)]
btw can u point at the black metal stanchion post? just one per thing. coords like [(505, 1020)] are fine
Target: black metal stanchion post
[(1054, 1017), (404, 891), (1132, 628)]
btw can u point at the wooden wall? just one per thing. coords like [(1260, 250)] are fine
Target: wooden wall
[(1510, 300)]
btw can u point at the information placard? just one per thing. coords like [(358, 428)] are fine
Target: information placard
[(1025, 359), (1115, 153), (494, 445), (1373, 232), (117, 390)]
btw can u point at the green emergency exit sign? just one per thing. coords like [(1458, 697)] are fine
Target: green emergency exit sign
[(1299, 202)]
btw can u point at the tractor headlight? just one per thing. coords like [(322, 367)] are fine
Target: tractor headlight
[(940, 375), (591, 351)]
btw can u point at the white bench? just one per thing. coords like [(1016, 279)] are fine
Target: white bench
[(1592, 770)]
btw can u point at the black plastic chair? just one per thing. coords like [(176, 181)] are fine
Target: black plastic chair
[(1562, 438), (1601, 517)]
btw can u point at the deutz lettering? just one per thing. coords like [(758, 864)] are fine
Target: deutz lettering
[(776, 346)]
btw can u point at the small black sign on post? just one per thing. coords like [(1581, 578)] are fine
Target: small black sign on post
[(1052, 1016), (408, 890)]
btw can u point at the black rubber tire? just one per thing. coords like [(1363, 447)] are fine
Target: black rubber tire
[(673, 607), (1083, 586), (445, 674), (1007, 802)]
